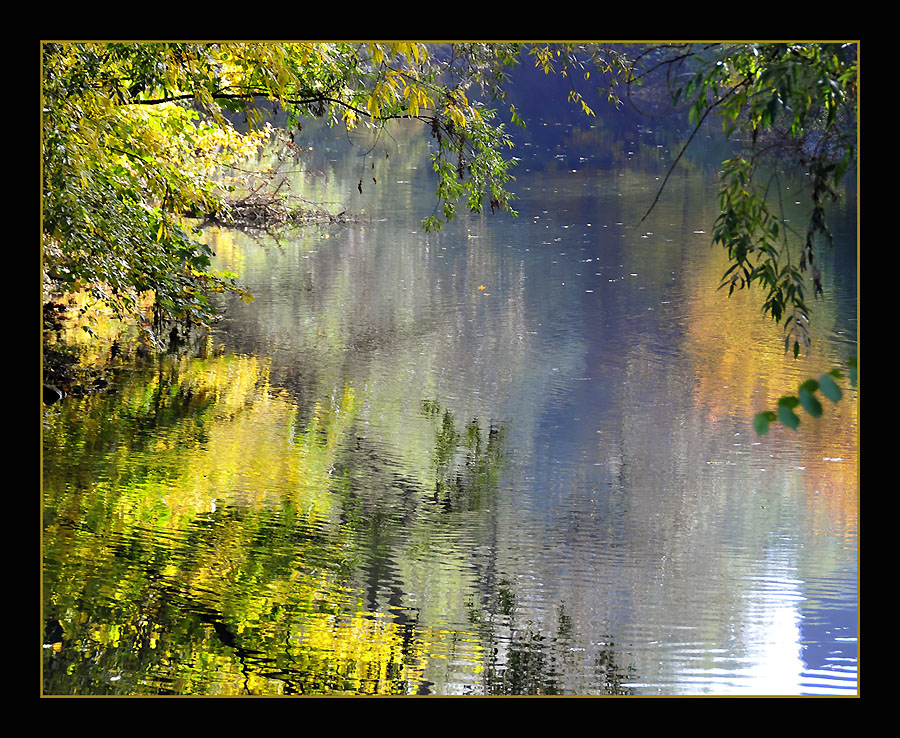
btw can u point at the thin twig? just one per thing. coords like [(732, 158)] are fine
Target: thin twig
[(688, 143)]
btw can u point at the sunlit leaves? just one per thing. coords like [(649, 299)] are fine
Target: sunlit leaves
[(417, 99), (456, 107), (135, 136), (572, 60), (469, 160), (129, 127), (141, 127), (119, 172)]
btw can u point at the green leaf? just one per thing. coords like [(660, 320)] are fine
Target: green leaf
[(830, 388), (788, 401), (788, 417), (810, 385), (761, 422), (810, 402)]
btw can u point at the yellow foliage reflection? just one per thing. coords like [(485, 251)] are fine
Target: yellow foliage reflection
[(211, 509), (741, 368)]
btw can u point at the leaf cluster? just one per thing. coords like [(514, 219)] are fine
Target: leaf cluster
[(788, 104), (135, 136), (806, 398), (118, 175)]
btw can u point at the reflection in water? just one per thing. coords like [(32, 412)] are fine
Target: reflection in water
[(514, 457)]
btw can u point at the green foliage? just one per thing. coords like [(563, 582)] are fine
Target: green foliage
[(611, 66), (794, 104), (793, 109), (135, 136), (805, 398), (117, 175), (466, 463)]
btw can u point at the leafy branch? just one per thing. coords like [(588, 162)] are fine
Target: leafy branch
[(806, 398), (797, 101), (133, 134)]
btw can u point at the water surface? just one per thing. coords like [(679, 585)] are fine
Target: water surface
[(514, 457)]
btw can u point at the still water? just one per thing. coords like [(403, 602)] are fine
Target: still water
[(512, 458)]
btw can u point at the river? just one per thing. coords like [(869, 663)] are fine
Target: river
[(515, 457)]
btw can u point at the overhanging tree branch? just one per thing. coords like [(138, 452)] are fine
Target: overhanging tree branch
[(687, 143)]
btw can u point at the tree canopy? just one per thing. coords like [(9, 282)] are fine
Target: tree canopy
[(135, 136)]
